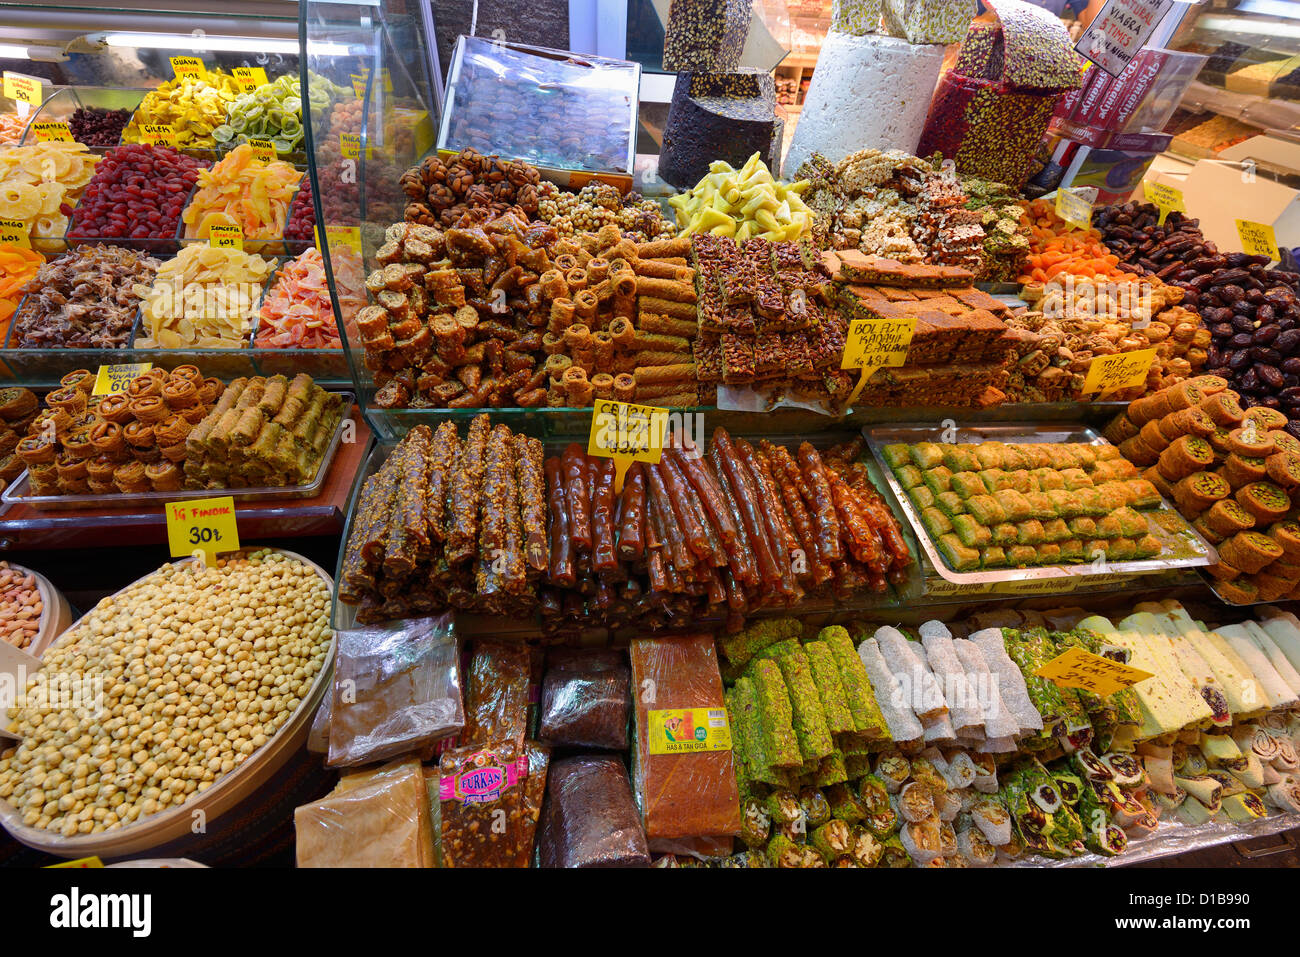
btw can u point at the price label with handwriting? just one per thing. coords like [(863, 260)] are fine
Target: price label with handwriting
[(1123, 370), (263, 150), (222, 236), (190, 67), (876, 344), (339, 236), (249, 77), (13, 232), (1076, 668), (159, 134), (350, 145), (23, 89), (1169, 199), (1258, 239), (52, 131), (204, 525), (110, 380), (1073, 208), (627, 433)]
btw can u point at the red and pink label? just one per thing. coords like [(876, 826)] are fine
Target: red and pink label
[(483, 783)]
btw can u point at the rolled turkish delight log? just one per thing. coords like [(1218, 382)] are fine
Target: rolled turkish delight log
[(1011, 683), (899, 717), (867, 90)]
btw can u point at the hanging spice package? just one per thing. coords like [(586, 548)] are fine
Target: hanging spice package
[(989, 113)]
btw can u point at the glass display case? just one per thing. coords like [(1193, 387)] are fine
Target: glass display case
[(235, 99)]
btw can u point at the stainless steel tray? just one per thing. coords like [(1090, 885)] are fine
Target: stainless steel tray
[(1196, 551), (20, 490)]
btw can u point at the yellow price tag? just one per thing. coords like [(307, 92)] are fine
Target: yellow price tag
[(350, 145), (1076, 668), (875, 344), (1168, 198), (1258, 239), (24, 89), (110, 380), (358, 84), (627, 433), (249, 77), (53, 131), (159, 134), (221, 236), (13, 232), (188, 66), (81, 863), (338, 236), (263, 150), (204, 525), (1123, 370), (688, 730), (1073, 208)]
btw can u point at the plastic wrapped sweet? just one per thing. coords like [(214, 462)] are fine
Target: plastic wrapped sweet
[(589, 819), (272, 112), (378, 818), (585, 698), (706, 34), (496, 692), (682, 792), (397, 690), (481, 805)]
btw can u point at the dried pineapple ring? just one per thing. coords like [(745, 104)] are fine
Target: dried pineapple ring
[(51, 198), (50, 226), (19, 201)]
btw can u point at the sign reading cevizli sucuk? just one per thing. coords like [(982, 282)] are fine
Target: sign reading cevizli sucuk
[(1119, 31)]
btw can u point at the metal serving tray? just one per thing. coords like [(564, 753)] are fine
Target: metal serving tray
[(1192, 550), (20, 490)]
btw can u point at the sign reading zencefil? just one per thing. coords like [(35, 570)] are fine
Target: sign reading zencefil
[(1119, 31)]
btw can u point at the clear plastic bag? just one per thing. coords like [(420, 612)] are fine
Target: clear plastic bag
[(496, 692), (397, 690), (589, 819), (377, 818), (586, 698)]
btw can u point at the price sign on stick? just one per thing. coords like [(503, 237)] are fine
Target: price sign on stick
[(1123, 370), (1169, 199), (158, 134), (202, 524), (1076, 668), (188, 67), (249, 77), (876, 344), (221, 236), (114, 379), (1258, 239), (25, 91), (627, 433), (263, 150), (1073, 208), (52, 131), (13, 232)]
